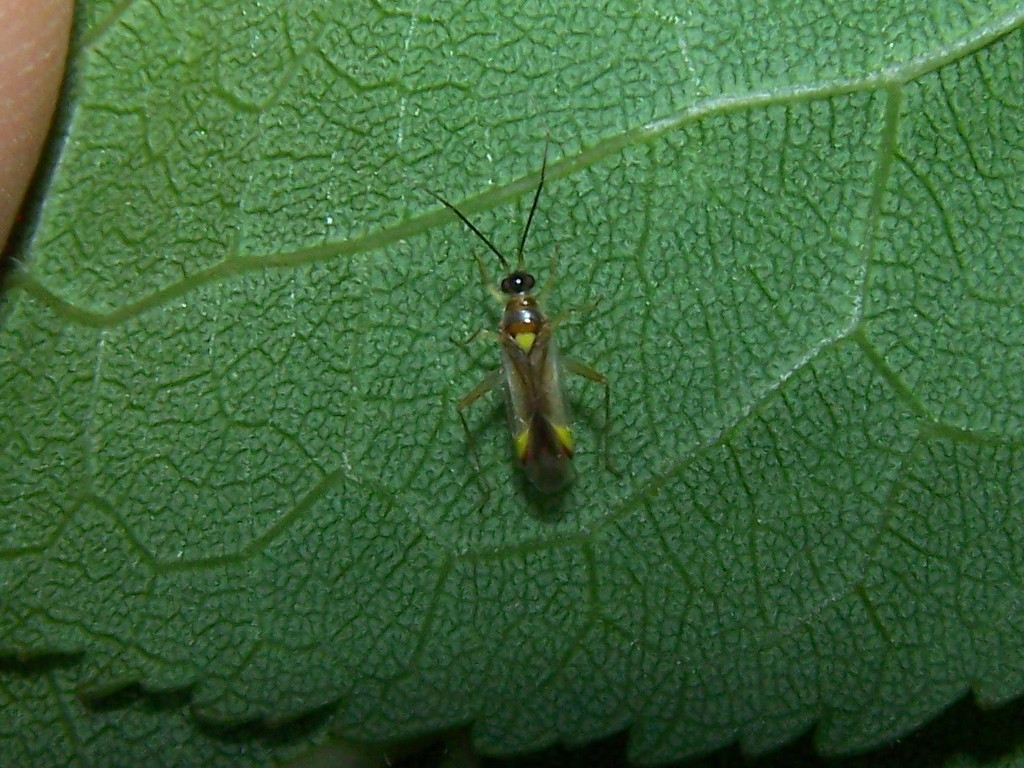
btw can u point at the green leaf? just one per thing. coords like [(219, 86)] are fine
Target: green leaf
[(43, 724), (233, 466)]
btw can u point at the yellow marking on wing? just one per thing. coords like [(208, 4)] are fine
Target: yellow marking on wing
[(525, 341), (522, 442), (564, 436)]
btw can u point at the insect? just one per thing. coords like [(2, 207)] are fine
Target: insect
[(531, 368)]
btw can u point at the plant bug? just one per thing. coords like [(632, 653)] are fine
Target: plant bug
[(531, 368)]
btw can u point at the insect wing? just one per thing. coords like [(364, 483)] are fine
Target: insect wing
[(538, 415)]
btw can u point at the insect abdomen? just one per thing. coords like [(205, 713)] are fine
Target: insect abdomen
[(544, 450)]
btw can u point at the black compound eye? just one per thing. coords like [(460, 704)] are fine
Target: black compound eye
[(517, 282)]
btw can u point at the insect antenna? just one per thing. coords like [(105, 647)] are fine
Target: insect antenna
[(472, 227), (533, 210)]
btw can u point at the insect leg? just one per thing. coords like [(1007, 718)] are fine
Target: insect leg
[(492, 380), (486, 280), (566, 314), (581, 369), (481, 333), (552, 278)]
